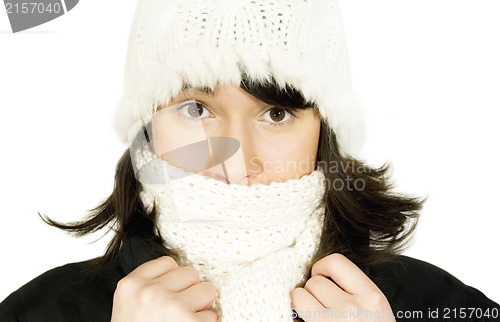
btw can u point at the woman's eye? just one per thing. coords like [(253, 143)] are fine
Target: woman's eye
[(193, 110), (277, 115)]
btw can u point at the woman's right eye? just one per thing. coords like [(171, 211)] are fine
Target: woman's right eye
[(193, 110)]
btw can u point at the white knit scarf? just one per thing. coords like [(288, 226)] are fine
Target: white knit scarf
[(253, 243)]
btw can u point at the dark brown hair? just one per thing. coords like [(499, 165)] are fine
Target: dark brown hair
[(367, 222)]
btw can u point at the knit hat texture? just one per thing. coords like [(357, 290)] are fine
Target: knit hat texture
[(200, 43)]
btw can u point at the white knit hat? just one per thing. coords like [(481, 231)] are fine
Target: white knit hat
[(209, 42)]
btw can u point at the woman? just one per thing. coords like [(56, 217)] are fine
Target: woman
[(242, 129)]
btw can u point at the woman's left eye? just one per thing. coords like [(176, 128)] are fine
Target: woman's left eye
[(278, 115)]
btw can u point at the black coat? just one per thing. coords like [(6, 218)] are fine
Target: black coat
[(71, 293)]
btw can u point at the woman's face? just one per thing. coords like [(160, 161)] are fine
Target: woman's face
[(260, 143)]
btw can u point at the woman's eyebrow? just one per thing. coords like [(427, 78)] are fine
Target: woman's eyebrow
[(205, 90)]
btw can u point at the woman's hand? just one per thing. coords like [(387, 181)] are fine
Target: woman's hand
[(352, 296), (159, 290)]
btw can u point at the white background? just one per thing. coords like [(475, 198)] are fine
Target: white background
[(427, 72)]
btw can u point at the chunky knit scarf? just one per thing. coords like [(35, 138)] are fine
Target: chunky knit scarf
[(253, 243)]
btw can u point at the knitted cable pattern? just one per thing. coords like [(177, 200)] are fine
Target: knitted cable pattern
[(253, 243)]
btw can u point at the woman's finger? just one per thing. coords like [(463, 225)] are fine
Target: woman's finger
[(180, 279), (325, 291), (344, 273), (199, 297), (155, 268), (305, 304), (206, 316)]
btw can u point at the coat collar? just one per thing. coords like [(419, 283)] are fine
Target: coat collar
[(134, 252)]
